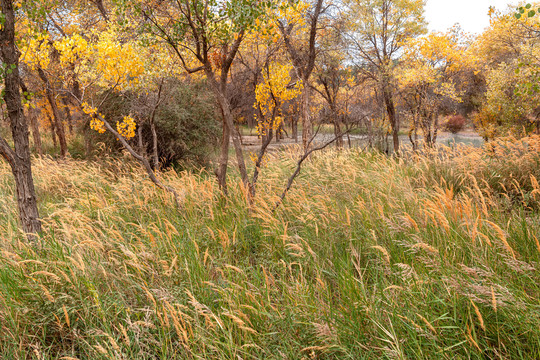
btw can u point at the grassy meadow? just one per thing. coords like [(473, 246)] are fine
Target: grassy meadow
[(432, 256)]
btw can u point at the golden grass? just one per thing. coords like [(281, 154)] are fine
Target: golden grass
[(361, 247)]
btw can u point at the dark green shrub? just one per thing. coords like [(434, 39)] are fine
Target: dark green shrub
[(186, 124)]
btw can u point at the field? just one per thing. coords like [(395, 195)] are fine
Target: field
[(421, 257)]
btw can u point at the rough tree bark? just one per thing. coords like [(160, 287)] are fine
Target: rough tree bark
[(18, 157)]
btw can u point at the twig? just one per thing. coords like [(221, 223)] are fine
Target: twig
[(301, 160), (137, 156)]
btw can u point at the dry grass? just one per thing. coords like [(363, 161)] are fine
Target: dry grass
[(429, 256)]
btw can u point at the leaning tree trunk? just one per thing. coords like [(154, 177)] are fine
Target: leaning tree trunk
[(235, 135), (18, 157)]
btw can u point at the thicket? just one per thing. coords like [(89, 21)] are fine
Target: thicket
[(187, 124)]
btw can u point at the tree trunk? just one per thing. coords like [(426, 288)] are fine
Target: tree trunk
[(370, 133), (19, 157), (56, 114), (69, 118), (35, 131), (307, 124), (278, 133), (142, 149), (102, 10), (155, 156), (33, 121), (262, 152), (53, 131), (427, 136), (337, 133), (390, 109), (435, 128), (220, 90), (337, 126), (294, 128), (391, 112), (221, 170), (26, 195), (227, 115), (413, 132)]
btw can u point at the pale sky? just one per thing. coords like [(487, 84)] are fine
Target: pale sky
[(472, 15)]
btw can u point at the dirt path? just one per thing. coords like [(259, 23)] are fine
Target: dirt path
[(253, 143)]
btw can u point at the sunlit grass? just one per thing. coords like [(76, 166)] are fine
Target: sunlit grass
[(426, 256)]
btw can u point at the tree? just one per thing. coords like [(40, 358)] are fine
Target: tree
[(206, 38), (299, 26), (377, 31), (509, 52), (18, 157), (427, 77), (332, 78), (507, 109), (271, 94)]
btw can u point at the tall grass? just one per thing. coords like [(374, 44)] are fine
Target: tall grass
[(424, 257)]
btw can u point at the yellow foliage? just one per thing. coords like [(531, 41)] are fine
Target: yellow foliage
[(275, 89), (36, 50), (432, 60), (126, 127), (88, 109), (72, 48), (116, 64), (97, 125)]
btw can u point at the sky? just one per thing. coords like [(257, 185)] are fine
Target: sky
[(472, 15)]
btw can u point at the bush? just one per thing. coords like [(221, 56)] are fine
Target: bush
[(455, 123), (186, 124)]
